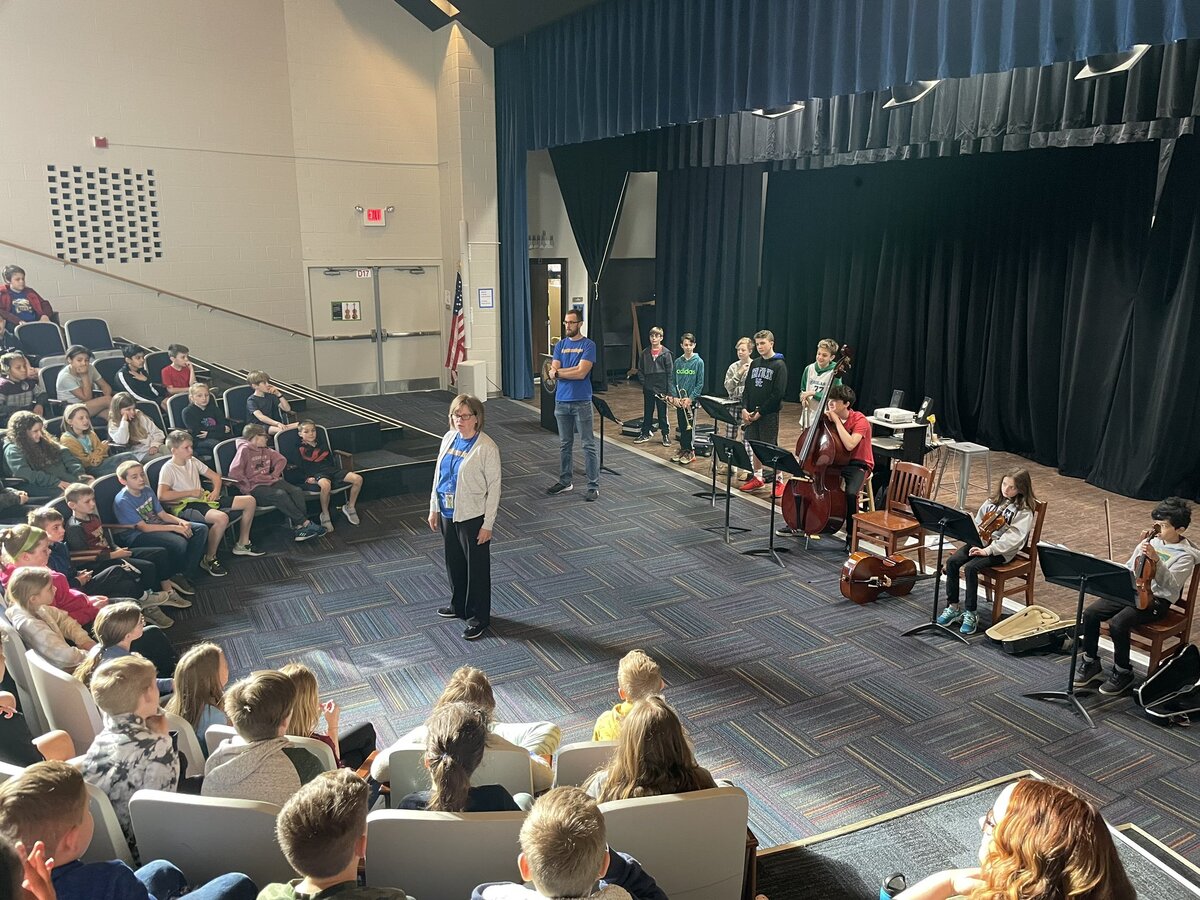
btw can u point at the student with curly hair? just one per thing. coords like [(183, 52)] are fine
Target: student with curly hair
[(37, 458)]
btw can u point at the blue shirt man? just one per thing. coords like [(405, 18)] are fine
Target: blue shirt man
[(574, 357)]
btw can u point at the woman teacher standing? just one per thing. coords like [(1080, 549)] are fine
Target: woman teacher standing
[(463, 503)]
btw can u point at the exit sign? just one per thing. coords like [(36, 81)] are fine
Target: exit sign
[(374, 216)]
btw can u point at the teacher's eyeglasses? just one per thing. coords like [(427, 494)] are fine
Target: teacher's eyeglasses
[(463, 416)]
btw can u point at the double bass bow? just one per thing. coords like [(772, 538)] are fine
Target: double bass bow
[(815, 503)]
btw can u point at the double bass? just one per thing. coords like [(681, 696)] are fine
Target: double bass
[(815, 502)]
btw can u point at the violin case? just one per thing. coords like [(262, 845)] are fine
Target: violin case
[(1171, 696), (633, 427), (1033, 628)]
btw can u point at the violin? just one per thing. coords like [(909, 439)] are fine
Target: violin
[(1144, 569), (865, 576), (815, 503), (993, 522)]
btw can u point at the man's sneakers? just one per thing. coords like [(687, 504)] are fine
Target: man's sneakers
[(1089, 670), (246, 549), (326, 521), (559, 488), (777, 491), (592, 495), (641, 439), (308, 531), (753, 484), (950, 616), (181, 585), (213, 567), (1118, 683), (351, 514), (155, 616)]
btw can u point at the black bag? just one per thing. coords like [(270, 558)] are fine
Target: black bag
[(1171, 696)]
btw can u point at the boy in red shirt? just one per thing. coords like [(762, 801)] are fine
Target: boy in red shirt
[(178, 375), (854, 431)]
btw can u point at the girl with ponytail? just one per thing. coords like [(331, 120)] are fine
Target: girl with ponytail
[(116, 628)]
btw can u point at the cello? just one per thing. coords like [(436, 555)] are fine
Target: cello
[(815, 503)]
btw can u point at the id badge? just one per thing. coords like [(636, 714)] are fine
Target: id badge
[(448, 500)]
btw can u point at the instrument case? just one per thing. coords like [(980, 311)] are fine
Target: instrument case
[(1033, 628), (1172, 694), (633, 427)]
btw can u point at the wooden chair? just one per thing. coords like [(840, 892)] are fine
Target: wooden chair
[(1021, 569), (895, 523), (1175, 626)]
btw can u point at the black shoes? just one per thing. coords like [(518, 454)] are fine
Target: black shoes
[(474, 632), (447, 612)]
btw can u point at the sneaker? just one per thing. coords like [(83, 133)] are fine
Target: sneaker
[(311, 530), (687, 458), (753, 484), (641, 439), (447, 612), (970, 622), (155, 616), (474, 632), (748, 476), (950, 615), (182, 585), (351, 515), (152, 598), (213, 567), (592, 495), (777, 491), (326, 522), (666, 440), (679, 454), (1118, 682), (246, 550), (1089, 670), (175, 600), (785, 531), (559, 488)]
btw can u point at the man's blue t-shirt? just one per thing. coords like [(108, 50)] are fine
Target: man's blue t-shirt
[(130, 508), (448, 472), (571, 353)]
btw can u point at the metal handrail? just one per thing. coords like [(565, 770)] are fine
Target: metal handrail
[(159, 291)]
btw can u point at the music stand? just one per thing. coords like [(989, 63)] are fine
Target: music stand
[(778, 460), (732, 453), (947, 522), (1090, 575), (606, 412), (719, 413)]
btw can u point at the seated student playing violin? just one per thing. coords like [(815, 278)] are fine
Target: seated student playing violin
[(1174, 557), (1004, 521)]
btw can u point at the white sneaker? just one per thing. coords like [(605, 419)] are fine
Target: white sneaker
[(326, 522), (352, 514)]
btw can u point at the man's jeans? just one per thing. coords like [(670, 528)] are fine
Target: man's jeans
[(576, 416)]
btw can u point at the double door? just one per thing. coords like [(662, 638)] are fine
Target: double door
[(376, 329)]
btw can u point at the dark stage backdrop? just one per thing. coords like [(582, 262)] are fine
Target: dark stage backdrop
[(1004, 286)]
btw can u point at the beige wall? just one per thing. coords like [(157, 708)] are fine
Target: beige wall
[(265, 123)]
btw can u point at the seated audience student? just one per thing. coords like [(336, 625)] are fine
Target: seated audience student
[(115, 581), (638, 676), (258, 471), (204, 420), (134, 750), (180, 491), (1040, 842), (14, 506), (652, 757), (16, 741), (48, 804), (24, 545), (137, 505), (200, 679), (20, 303), (85, 445), (350, 748), (455, 738), (179, 374), (118, 626), (19, 389), (471, 685), (36, 457), (1176, 558), (1014, 502), (322, 831), (564, 852), (86, 537), (267, 405), (78, 381), (134, 379), (656, 370), (132, 429), (51, 632), (258, 764), (320, 468)]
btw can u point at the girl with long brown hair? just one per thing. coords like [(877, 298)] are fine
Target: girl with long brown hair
[(1040, 842), (132, 428), (37, 458), (1011, 506), (652, 757), (200, 679), (117, 627)]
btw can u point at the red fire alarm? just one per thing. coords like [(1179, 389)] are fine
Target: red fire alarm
[(100, 142)]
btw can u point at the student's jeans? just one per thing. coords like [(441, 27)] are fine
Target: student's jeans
[(651, 405), (576, 416), (184, 553), (285, 497), (963, 561), (1121, 618), (165, 882)]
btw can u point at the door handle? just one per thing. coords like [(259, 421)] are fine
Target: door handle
[(374, 335), (384, 335)]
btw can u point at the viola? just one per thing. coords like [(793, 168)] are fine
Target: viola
[(865, 576), (1144, 569), (815, 503)]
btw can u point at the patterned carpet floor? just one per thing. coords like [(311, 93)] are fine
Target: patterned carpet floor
[(817, 707)]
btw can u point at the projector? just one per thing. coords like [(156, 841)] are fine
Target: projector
[(893, 415)]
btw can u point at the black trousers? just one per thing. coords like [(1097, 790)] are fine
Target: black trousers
[(111, 579), (469, 567), (852, 481), (685, 430), (962, 561), (16, 747), (153, 645), (1121, 617), (356, 745), (650, 406)]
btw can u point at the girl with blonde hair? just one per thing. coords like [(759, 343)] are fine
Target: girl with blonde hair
[(350, 749), (128, 426), (200, 679), (42, 626)]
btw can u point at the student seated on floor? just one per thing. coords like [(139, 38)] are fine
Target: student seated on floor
[(48, 802), (638, 676)]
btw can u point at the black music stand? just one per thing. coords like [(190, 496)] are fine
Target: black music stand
[(947, 522), (732, 453), (606, 412), (720, 414), (1089, 575), (778, 460)]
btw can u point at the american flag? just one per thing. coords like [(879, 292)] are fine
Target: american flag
[(456, 350)]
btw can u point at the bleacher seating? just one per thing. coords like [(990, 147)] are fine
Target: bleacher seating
[(40, 339), (67, 703), (234, 400), (575, 763), (18, 664), (175, 407), (108, 368), (288, 444), (93, 334)]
